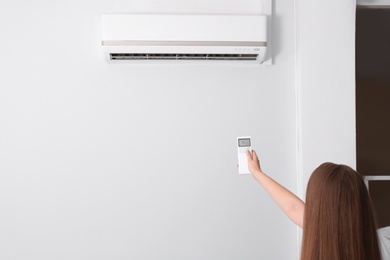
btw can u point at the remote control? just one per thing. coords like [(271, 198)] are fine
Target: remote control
[(243, 144)]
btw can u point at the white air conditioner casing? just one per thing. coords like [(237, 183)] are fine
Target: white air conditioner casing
[(177, 38)]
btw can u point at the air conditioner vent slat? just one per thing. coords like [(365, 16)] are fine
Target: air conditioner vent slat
[(182, 56), (128, 56), (160, 56), (192, 56)]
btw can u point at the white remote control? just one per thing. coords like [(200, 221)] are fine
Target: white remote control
[(243, 144)]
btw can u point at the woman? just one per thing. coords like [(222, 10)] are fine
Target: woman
[(337, 219)]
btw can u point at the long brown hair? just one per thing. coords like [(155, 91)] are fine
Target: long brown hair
[(339, 221)]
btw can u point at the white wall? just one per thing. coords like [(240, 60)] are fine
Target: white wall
[(102, 161), (326, 84)]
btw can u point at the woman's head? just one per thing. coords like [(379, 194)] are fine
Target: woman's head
[(338, 220)]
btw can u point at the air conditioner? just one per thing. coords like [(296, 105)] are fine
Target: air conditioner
[(177, 38)]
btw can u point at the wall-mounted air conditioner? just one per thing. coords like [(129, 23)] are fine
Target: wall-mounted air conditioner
[(176, 38)]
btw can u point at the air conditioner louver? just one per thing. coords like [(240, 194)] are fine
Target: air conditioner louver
[(182, 56)]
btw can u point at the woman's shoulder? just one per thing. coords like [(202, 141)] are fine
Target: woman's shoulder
[(384, 242)]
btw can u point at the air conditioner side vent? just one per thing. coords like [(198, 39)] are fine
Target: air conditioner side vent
[(183, 56)]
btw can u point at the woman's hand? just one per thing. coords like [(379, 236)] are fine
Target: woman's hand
[(253, 162)]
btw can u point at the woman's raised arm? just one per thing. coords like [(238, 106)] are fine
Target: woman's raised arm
[(287, 201)]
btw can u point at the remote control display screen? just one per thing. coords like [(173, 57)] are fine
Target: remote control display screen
[(244, 142)]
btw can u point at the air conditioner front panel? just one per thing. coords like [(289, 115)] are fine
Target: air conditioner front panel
[(129, 38), (154, 27)]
